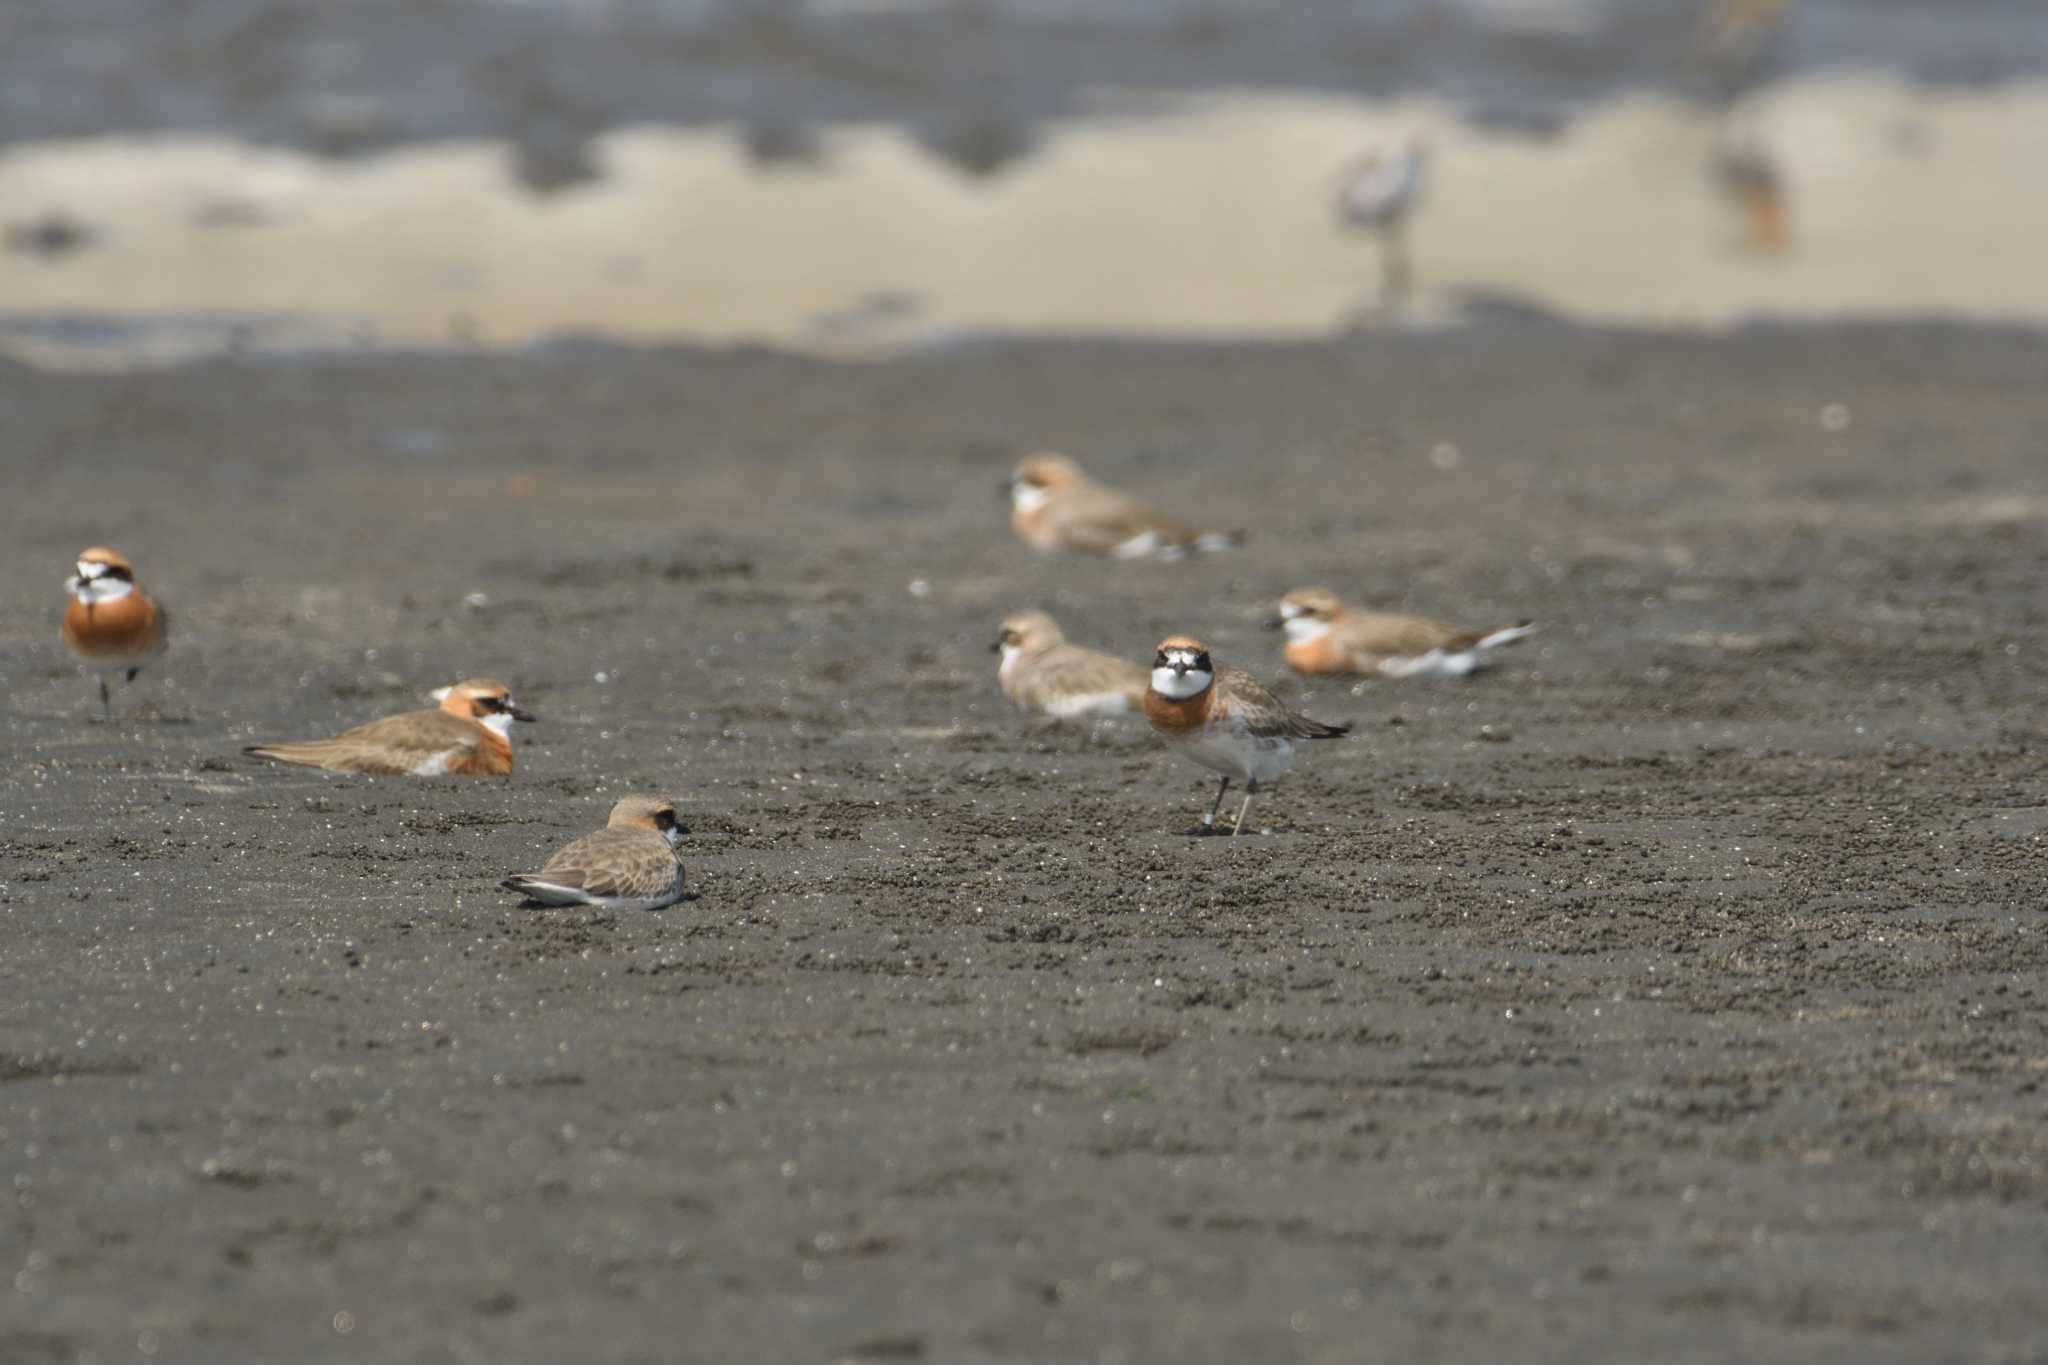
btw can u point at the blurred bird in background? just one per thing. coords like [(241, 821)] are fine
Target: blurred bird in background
[(1736, 43), (1746, 171), (1736, 50), (1377, 193)]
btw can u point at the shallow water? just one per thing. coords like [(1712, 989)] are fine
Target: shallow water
[(1210, 217)]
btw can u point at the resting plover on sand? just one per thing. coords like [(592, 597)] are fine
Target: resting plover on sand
[(469, 736), (630, 864), (1326, 636), (1042, 673), (1054, 506)]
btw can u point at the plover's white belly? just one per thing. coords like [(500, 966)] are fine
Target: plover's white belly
[(1088, 704), (1244, 757)]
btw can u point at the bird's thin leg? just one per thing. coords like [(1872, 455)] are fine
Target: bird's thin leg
[(1209, 820), (1397, 273), (1251, 789), (106, 699)]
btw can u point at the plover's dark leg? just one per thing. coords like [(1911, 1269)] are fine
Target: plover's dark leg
[(106, 699), (1208, 825)]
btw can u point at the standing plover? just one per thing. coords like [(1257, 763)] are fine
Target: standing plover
[(630, 864), (1224, 721), (1042, 673), (111, 624), (1326, 636), (1054, 506), (469, 736)]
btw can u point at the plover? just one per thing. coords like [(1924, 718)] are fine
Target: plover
[(630, 864), (469, 736), (1326, 636), (111, 624), (1054, 506), (1044, 674), (1225, 721)]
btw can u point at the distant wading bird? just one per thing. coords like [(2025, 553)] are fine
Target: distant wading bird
[(1744, 169), (1224, 721), (1326, 636), (630, 864), (469, 736), (1054, 506), (1042, 673), (1377, 193), (111, 624)]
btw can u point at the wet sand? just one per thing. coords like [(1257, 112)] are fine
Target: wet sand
[(1671, 993)]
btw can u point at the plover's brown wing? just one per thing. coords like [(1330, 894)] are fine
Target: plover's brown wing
[(628, 863), (1377, 632), (1071, 671), (1386, 642), (393, 745), (1091, 517), (1258, 713)]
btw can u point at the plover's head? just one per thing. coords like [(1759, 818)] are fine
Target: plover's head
[(483, 700), (657, 813), (1038, 477), (1307, 613), (103, 575), (1181, 669), (1025, 630)]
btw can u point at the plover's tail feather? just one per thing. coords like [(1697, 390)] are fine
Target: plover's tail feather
[(1506, 635), (546, 892), (315, 753)]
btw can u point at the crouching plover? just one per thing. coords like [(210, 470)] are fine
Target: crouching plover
[(1044, 674), (1224, 721), (1054, 506), (1325, 636), (630, 864), (469, 736), (111, 624)]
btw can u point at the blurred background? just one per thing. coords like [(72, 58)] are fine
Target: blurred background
[(179, 177)]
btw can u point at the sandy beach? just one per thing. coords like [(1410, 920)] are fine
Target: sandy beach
[(1671, 992)]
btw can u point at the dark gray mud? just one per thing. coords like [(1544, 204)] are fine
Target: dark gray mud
[(1675, 992)]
